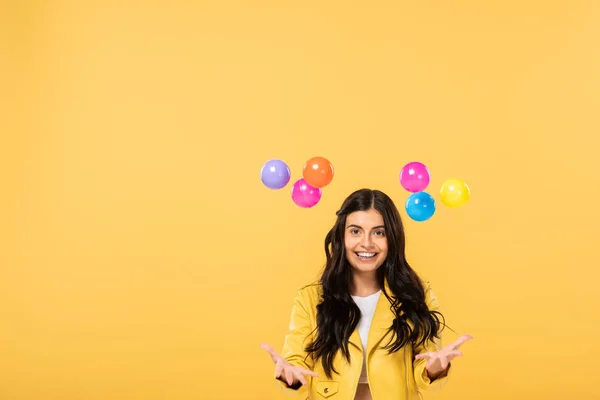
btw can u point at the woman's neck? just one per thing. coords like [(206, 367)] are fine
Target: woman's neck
[(365, 284)]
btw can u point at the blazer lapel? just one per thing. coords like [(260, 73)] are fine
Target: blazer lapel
[(382, 320), (355, 339)]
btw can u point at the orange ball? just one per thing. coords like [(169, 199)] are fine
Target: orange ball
[(318, 172)]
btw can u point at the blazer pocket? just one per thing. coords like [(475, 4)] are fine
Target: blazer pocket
[(327, 388)]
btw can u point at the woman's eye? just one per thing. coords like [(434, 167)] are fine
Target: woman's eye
[(354, 231), (380, 233)]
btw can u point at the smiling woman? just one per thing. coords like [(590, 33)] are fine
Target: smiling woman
[(365, 242), (370, 328)]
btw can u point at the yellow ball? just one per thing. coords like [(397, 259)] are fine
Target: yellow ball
[(455, 193)]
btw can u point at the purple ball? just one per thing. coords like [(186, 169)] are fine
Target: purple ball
[(275, 174)]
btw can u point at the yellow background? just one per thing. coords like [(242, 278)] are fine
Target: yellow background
[(143, 259)]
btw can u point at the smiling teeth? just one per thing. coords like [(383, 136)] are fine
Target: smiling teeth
[(368, 255)]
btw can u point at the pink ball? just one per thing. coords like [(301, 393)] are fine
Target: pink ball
[(304, 195), (415, 177)]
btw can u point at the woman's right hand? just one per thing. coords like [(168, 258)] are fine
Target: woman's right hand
[(287, 372)]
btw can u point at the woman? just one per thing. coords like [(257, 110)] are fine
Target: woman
[(370, 328)]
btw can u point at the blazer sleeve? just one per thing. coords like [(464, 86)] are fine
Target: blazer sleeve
[(298, 336), (421, 377)]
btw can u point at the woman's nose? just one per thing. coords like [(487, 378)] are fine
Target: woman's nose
[(366, 241)]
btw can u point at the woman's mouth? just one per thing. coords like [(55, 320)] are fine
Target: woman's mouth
[(364, 256)]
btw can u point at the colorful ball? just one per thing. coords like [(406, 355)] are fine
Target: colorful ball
[(318, 172), (420, 206), (415, 177), (455, 193), (305, 195), (275, 174)]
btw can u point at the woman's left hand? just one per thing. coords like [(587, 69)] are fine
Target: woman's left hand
[(438, 361)]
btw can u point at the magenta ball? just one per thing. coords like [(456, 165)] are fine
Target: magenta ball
[(415, 177), (305, 195)]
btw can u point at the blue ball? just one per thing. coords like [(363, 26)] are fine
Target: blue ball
[(420, 206)]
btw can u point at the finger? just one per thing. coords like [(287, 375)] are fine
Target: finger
[(310, 373), (298, 375), (278, 369), (461, 340), (453, 354), (289, 376), (268, 349), (444, 363), (274, 356), (423, 356)]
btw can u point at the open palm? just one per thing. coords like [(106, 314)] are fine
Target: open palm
[(287, 372), (438, 361)]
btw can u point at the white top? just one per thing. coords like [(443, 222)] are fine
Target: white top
[(367, 309)]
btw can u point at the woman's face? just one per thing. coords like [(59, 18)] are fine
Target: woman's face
[(365, 241)]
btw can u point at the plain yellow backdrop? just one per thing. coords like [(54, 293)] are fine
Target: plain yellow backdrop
[(143, 259)]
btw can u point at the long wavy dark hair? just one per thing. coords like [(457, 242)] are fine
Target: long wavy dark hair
[(338, 315)]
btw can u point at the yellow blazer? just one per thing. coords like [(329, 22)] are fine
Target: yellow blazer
[(393, 376)]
